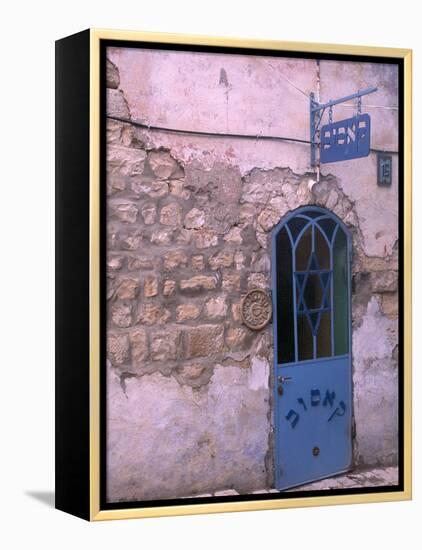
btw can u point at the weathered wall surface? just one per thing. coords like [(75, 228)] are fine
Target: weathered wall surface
[(189, 233)]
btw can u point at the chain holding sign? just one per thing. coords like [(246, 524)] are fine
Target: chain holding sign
[(342, 140)]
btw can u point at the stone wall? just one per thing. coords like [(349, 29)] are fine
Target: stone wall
[(189, 223)]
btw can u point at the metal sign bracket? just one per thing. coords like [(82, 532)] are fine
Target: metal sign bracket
[(317, 111)]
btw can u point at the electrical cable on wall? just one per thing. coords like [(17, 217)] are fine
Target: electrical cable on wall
[(203, 133), (256, 137)]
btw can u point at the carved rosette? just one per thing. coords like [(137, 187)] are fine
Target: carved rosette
[(256, 309)]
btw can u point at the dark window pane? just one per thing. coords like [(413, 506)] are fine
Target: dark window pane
[(326, 282), (296, 225), (303, 250), (328, 225), (313, 264), (321, 249), (285, 314), (341, 303), (324, 336), (300, 287), (313, 292), (314, 318), (304, 338)]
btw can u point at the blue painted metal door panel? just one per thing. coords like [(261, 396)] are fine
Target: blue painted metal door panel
[(312, 347), (314, 421)]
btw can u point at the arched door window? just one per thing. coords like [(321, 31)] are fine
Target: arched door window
[(312, 278)]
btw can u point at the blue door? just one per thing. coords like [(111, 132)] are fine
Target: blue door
[(312, 347)]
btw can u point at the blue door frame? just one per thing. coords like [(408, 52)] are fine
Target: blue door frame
[(311, 276)]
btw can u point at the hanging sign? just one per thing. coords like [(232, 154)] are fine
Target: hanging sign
[(346, 139)]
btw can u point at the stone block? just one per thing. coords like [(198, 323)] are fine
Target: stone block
[(224, 258), (191, 372), (110, 286), (112, 75), (247, 213), (205, 238), (194, 375), (151, 189), (162, 236), (153, 314), (261, 185), (216, 307), (236, 337), (125, 212), (384, 281), (198, 262), (177, 188), (261, 262), (149, 213), (119, 133), (182, 236), (165, 344), (262, 239), (114, 263), (174, 259), (127, 289), (198, 282), (390, 304), (131, 242), (150, 286), (123, 164), (164, 166), (135, 263), (258, 280), (234, 235), (203, 340), (194, 219), (236, 311), (168, 287), (117, 348), (231, 282), (116, 104), (138, 346), (170, 215), (187, 312), (121, 315), (240, 259)]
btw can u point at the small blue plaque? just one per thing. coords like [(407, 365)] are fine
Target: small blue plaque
[(385, 169), (346, 139)]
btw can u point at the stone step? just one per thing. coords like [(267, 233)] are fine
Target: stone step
[(359, 477)]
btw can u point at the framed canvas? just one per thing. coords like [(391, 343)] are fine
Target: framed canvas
[(233, 274)]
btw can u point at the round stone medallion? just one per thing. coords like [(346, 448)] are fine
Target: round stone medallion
[(256, 309)]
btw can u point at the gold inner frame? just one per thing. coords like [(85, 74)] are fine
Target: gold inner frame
[(96, 513)]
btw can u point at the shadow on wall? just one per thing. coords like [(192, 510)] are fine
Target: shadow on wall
[(45, 497)]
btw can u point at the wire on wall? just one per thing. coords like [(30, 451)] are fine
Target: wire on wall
[(256, 137), (204, 133)]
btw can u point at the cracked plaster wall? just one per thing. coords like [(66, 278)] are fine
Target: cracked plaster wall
[(189, 233)]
